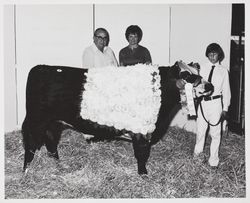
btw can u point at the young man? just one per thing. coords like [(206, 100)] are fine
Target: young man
[(99, 54), (213, 109)]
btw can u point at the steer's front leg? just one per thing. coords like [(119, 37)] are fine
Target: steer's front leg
[(142, 151)]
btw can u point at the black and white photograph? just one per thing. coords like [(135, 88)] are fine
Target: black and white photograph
[(124, 100)]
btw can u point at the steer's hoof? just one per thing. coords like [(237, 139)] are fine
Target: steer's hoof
[(25, 169), (142, 171)]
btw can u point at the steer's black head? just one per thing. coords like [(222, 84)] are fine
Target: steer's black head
[(190, 73)]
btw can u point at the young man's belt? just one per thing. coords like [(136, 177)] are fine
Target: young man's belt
[(211, 98)]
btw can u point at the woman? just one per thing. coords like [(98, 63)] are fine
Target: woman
[(134, 53)]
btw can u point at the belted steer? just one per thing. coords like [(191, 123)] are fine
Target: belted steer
[(104, 102)]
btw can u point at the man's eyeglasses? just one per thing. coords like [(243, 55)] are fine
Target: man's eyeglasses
[(101, 38)]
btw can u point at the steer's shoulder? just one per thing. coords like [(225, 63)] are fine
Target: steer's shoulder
[(169, 72)]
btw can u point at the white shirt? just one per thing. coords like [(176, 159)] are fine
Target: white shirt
[(94, 58), (220, 81)]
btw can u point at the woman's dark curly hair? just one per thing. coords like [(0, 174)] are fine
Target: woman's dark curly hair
[(215, 48), (134, 29)]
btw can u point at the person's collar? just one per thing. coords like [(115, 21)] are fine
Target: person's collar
[(133, 46), (213, 64), (96, 49)]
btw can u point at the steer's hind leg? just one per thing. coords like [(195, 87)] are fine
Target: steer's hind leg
[(53, 135), (142, 151), (28, 157)]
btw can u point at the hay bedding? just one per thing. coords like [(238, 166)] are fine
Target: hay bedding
[(108, 169)]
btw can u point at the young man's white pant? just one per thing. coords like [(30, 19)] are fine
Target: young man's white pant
[(212, 111)]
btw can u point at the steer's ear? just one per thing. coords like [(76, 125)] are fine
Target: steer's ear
[(197, 66)]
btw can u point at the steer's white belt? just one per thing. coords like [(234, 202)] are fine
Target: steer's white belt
[(123, 97)]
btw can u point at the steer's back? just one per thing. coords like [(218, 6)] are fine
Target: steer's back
[(54, 92)]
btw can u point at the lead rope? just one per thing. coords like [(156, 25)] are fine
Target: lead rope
[(206, 119), (209, 80)]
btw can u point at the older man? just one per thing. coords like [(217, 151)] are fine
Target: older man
[(99, 54)]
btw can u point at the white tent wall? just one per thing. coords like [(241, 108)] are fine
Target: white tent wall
[(49, 34), (10, 103), (152, 19)]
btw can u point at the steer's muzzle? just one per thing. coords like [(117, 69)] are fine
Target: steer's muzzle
[(204, 88), (208, 87)]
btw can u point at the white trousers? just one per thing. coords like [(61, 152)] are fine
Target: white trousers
[(212, 111)]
